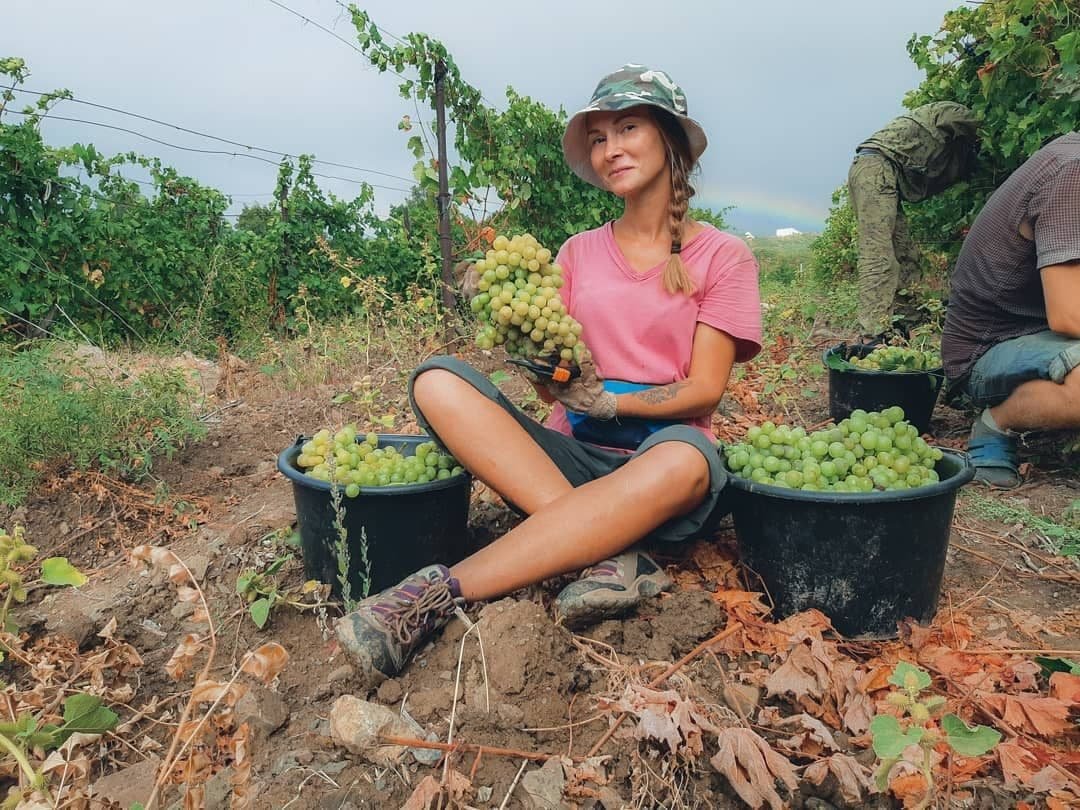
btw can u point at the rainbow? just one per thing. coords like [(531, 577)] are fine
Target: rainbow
[(786, 211)]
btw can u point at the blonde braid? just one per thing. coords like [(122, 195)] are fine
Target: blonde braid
[(676, 278)]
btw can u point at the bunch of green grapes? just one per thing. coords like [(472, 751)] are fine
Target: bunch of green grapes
[(518, 303), (355, 462), (897, 358), (865, 452)]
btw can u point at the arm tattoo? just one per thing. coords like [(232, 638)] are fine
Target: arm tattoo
[(661, 393)]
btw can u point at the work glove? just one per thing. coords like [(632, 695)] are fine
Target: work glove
[(468, 280), (585, 393)]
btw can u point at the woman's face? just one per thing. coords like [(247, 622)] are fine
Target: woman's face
[(627, 150)]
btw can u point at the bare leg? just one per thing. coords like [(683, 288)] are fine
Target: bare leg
[(589, 523), (487, 441), (1041, 404)]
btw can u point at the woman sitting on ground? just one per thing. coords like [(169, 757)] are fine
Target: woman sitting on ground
[(627, 456)]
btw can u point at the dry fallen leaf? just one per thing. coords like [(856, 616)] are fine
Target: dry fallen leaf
[(806, 672), (854, 780), (961, 668), (665, 716), (1021, 675), (813, 739), (209, 691), (1071, 800), (240, 745), (1065, 687), (1033, 714), (183, 656), (1027, 763), (429, 794), (854, 707), (752, 767), (265, 662), (1049, 779), (910, 788)]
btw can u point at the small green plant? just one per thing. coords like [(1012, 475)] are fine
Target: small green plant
[(82, 714), (56, 408), (27, 732), (342, 553), (54, 571), (263, 592), (921, 724), (1061, 538)]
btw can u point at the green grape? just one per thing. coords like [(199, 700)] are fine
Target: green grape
[(518, 306), (865, 452), (896, 358), (354, 461)]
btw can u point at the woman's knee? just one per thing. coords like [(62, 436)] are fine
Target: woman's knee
[(682, 466), (430, 382)]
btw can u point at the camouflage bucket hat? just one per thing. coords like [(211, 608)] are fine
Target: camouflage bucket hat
[(629, 86)]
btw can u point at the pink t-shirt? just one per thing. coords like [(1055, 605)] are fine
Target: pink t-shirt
[(639, 332)]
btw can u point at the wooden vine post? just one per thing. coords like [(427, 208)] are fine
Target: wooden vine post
[(448, 294)]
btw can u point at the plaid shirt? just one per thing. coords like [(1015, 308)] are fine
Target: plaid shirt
[(996, 290)]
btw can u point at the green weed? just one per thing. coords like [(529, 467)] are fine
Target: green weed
[(55, 408), (921, 724), (1061, 538)]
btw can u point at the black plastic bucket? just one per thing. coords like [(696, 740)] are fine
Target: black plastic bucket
[(407, 527), (866, 560), (914, 391)]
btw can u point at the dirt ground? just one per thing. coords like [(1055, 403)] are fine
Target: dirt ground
[(537, 689)]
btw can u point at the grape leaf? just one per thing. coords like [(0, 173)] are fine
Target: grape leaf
[(968, 741), (889, 739), (58, 571), (903, 670), (835, 360)]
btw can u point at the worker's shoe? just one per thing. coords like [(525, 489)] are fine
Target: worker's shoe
[(385, 629), (611, 588), (995, 460)]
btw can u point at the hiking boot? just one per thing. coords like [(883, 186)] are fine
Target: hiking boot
[(385, 629), (611, 588), (995, 460)]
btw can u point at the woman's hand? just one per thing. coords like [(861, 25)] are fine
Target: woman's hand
[(468, 285), (585, 393)]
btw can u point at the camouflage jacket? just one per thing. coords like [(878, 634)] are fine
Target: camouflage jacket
[(931, 147)]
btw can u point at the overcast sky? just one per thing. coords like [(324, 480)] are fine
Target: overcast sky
[(784, 88)]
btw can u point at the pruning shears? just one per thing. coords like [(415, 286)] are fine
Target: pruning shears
[(559, 371)]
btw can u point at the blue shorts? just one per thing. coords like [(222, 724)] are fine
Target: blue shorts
[(1044, 355), (582, 462)]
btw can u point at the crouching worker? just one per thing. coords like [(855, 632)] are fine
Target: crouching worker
[(1012, 334), (915, 156), (665, 302)]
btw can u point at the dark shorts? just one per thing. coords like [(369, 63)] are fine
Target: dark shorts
[(581, 462), (1044, 355)]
